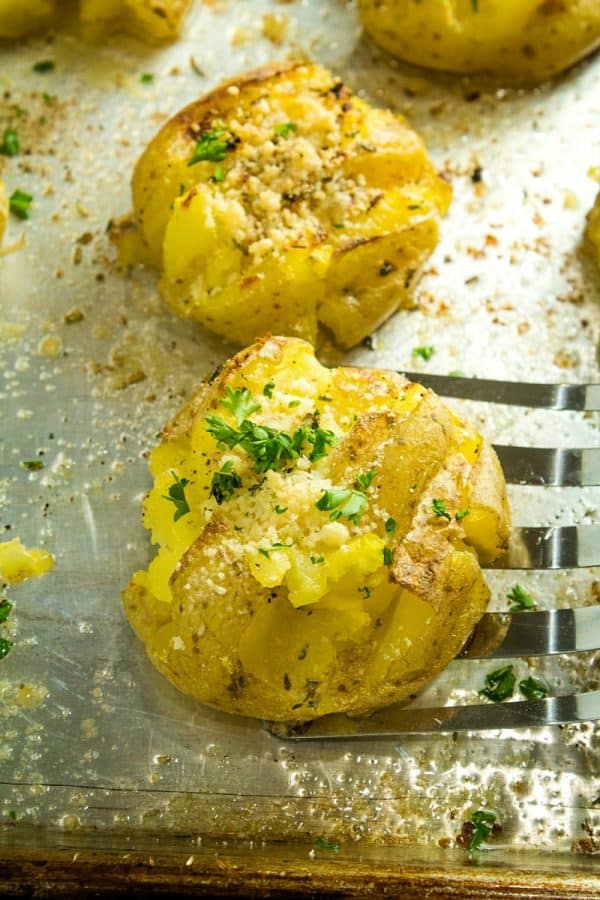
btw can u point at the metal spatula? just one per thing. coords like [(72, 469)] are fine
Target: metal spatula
[(521, 634)]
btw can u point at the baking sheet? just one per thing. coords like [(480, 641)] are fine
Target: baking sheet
[(91, 737)]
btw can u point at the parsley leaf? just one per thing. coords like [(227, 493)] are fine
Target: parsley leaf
[(5, 646), (5, 608), (240, 402), (483, 823), (321, 439), (387, 556), (521, 599), (268, 389), (425, 352), (19, 203), (32, 465), (44, 66), (323, 843), (365, 479), (147, 77), (475, 5), (390, 525), (365, 591), (176, 496), (499, 684), (286, 129), (439, 508), (317, 560), (531, 687), (10, 145), (224, 482), (219, 174), (462, 514), (211, 147), (280, 509), (343, 502)]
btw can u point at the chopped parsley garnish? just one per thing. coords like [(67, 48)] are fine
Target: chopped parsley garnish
[(264, 552), (387, 556), (279, 545), (425, 352), (475, 5), (211, 147), (240, 402), (10, 145), (390, 525), (147, 77), (343, 502), (462, 514), (269, 448), (219, 174), (483, 823), (176, 496), (224, 482), (499, 684), (531, 687), (268, 389), (12, 815), (32, 465), (5, 646), (19, 203), (286, 129), (439, 508), (324, 843), (43, 66), (293, 403), (280, 510), (321, 439), (365, 591), (317, 560), (365, 479), (521, 599), (5, 608)]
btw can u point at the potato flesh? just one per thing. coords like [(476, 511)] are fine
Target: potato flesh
[(525, 40), (18, 563), (330, 221), (266, 606)]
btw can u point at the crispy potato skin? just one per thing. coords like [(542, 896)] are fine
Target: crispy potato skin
[(592, 231), (25, 16), (153, 20), (244, 252), (524, 41), (244, 629)]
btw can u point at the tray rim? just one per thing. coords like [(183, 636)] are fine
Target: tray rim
[(52, 863)]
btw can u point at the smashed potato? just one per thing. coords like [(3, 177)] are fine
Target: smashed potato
[(281, 200), (320, 534), (524, 40), (153, 20)]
